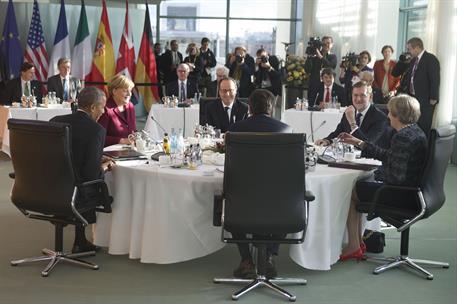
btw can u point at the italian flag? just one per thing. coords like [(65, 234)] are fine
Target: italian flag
[(82, 52)]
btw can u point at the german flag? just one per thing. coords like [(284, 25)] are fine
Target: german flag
[(103, 60), (146, 73)]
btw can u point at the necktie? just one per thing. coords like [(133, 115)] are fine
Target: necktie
[(65, 89), (411, 84), (327, 95), (183, 92), (26, 89), (357, 119), (227, 113)]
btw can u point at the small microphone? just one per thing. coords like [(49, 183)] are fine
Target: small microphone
[(317, 129), (315, 99), (160, 126)]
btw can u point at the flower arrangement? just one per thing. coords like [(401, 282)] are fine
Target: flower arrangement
[(295, 69)]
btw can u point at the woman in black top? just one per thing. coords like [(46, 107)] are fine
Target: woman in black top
[(402, 164)]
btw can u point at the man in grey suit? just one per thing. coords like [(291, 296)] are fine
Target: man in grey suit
[(260, 120), (63, 83)]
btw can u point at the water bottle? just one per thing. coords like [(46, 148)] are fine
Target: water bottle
[(173, 142), (180, 142)]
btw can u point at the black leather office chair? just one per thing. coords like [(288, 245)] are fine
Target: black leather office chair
[(255, 201), (45, 187), (204, 102), (419, 202)]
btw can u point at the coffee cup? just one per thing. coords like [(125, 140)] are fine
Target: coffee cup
[(349, 156), (164, 160)]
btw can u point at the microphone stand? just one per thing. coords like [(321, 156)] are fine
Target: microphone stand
[(160, 126)]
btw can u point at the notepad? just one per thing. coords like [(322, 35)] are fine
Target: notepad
[(125, 154)]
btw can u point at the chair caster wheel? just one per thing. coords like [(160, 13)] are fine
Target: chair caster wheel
[(44, 274), (430, 278), (292, 299), (446, 267), (13, 264), (234, 298)]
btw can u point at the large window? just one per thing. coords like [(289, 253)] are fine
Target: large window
[(413, 14), (230, 23)]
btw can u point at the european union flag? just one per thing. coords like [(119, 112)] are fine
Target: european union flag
[(10, 46)]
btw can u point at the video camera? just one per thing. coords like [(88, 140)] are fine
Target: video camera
[(349, 60), (314, 44), (239, 58), (264, 59), (405, 57)]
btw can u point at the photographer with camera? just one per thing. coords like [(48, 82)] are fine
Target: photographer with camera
[(319, 57), (242, 68), (420, 71), (267, 75), (350, 72)]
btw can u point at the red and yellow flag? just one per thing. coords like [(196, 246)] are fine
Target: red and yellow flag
[(146, 72), (103, 60)]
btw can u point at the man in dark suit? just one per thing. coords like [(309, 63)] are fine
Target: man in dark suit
[(63, 83), (260, 105), (24, 85), (170, 60), (421, 79), (213, 89), (221, 114), (208, 62), (184, 88), (328, 89), (88, 138), (362, 119), (267, 75), (242, 67), (158, 57), (313, 65)]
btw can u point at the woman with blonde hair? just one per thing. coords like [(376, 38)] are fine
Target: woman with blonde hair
[(194, 61), (402, 164), (119, 118)]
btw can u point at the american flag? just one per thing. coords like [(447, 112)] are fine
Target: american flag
[(35, 52)]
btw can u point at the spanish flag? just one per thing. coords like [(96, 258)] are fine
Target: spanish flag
[(103, 60), (146, 72)]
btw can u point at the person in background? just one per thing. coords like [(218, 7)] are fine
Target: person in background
[(63, 83), (184, 87), (350, 74), (383, 78), (267, 75), (88, 138), (24, 85), (158, 57), (362, 119), (170, 61), (402, 163), (194, 61), (368, 77), (119, 119), (328, 89), (261, 103), (314, 64), (242, 67), (208, 63), (224, 112), (213, 89)]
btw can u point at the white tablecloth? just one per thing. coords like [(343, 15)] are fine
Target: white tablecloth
[(25, 113), (164, 215), (314, 124), (168, 118)]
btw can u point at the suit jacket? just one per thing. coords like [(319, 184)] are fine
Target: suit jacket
[(337, 91), (260, 123), (374, 124), (216, 116), (212, 89), (13, 91), (247, 70), (116, 124), (198, 63), (87, 139), (210, 59), (172, 88), (55, 85), (275, 79), (166, 60), (380, 72), (313, 67)]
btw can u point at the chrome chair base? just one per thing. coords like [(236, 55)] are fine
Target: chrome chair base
[(54, 257), (262, 281), (413, 264)]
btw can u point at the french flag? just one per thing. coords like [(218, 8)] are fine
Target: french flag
[(61, 42)]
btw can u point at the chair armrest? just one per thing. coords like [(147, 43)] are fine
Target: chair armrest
[(389, 190), (309, 196), (12, 175), (95, 193)]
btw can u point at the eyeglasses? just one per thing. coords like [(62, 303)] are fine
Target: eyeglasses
[(223, 91), (182, 71)]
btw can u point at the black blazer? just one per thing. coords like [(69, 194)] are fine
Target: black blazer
[(247, 70), (55, 85), (211, 91), (172, 88), (216, 116), (260, 123), (208, 61), (166, 60), (337, 91), (374, 124), (13, 91), (87, 139), (275, 79), (313, 67)]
